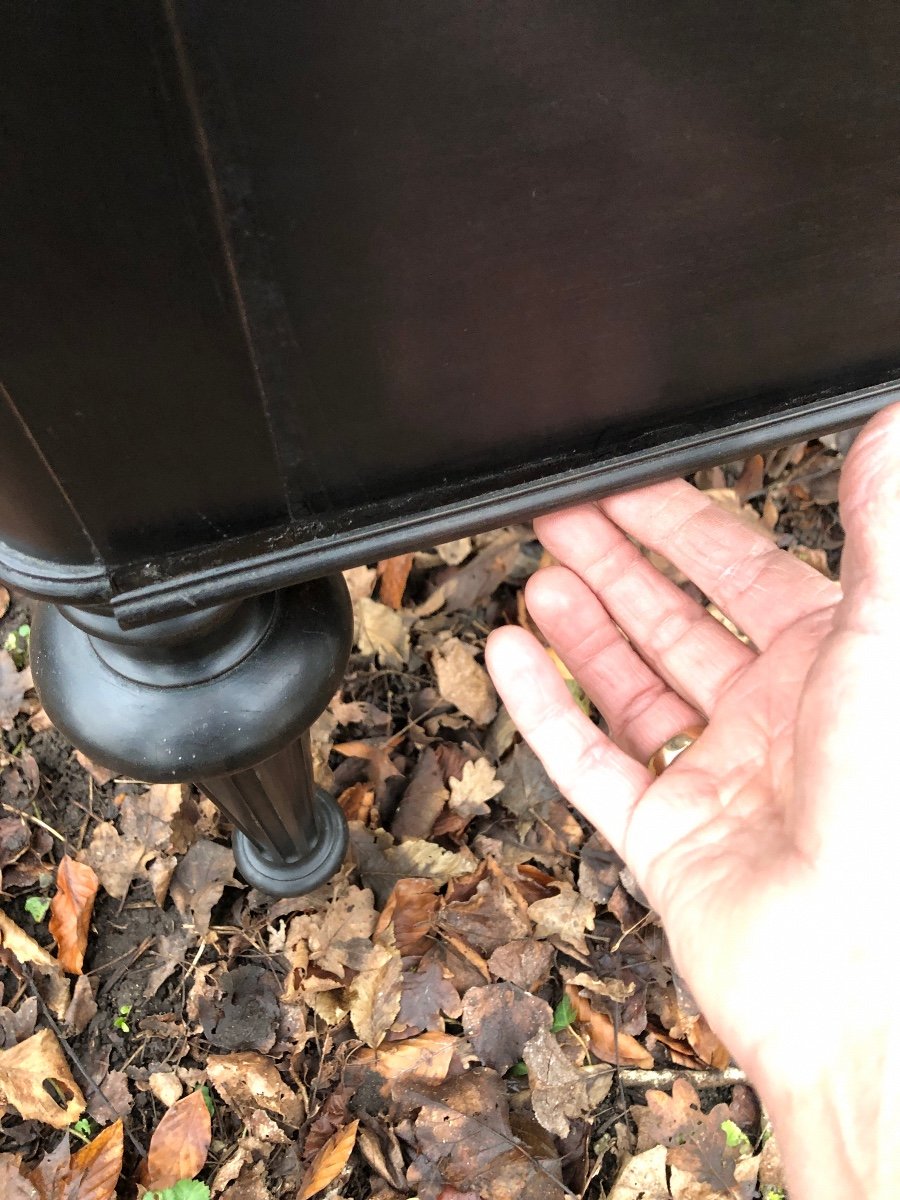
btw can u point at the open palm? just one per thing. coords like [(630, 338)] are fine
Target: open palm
[(748, 843)]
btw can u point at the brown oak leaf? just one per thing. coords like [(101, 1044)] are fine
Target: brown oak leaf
[(464, 682), (563, 918), (426, 994), (465, 1139)]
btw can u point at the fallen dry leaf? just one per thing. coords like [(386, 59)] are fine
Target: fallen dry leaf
[(643, 1177), (470, 793), (199, 880), (474, 584), (463, 1131), (27, 950), (524, 962), (493, 916), (426, 994), (357, 802), (95, 1169), (166, 1087), (379, 765), (561, 1093), (382, 631), (115, 859), (83, 1007), (423, 801), (381, 864), (499, 1019), (619, 1048), (410, 909), (464, 682), (70, 911), (13, 686), (424, 1059), (375, 995), (13, 1184), (329, 1162), (16, 1026), (248, 1081), (23, 1072), (383, 1154), (180, 1143), (393, 573), (563, 918), (100, 775)]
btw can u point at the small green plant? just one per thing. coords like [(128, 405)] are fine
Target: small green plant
[(772, 1193), (518, 1069), (36, 907), (81, 1130), (207, 1099), (121, 1021), (735, 1137), (184, 1189), (563, 1015), (17, 645)]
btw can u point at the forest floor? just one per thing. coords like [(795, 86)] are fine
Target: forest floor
[(478, 1004)]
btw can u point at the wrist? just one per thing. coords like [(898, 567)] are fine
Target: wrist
[(837, 1127)]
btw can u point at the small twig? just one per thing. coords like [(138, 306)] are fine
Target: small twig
[(93, 1086), (130, 959), (26, 816), (704, 1081)]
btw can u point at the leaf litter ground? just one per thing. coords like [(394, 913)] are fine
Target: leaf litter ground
[(479, 1004)]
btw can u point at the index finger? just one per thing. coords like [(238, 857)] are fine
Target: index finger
[(762, 588), (602, 781)]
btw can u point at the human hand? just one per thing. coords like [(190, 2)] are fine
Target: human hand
[(770, 847)]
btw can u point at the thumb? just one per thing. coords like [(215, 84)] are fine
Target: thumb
[(870, 511)]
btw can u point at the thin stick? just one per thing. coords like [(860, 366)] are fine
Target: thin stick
[(26, 816), (703, 1081), (76, 1061)]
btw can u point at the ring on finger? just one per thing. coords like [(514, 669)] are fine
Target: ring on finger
[(672, 747)]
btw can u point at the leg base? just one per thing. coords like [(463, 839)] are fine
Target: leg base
[(298, 876)]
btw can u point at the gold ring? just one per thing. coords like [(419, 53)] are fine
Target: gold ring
[(670, 749)]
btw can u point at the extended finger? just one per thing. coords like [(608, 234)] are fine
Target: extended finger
[(602, 781), (763, 589), (685, 645), (641, 711), (870, 511)]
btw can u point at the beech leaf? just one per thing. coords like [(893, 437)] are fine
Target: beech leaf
[(375, 995), (180, 1143), (70, 911), (27, 950), (94, 1171), (13, 1184), (23, 1071), (329, 1162)]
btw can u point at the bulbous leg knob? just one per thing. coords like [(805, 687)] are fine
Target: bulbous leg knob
[(223, 698)]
